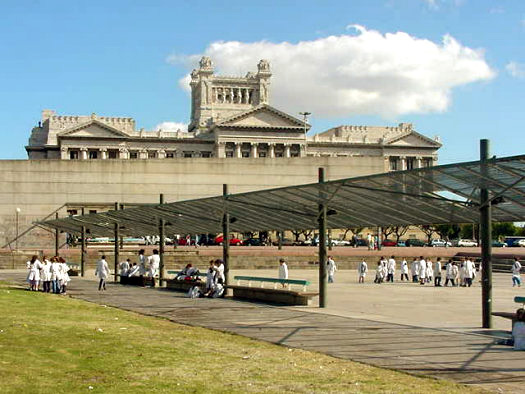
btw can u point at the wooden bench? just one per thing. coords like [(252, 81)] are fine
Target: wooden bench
[(183, 285), (135, 280), (511, 315), (276, 295), (74, 269)]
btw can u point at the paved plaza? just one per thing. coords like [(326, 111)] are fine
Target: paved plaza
[(416, 329)]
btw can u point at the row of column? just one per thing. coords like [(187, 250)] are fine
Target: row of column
[(232, 95), (410, 162), (102, 153), (271, 151)]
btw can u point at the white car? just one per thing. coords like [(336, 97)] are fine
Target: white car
[(467, 242), (340, 242), (440, 243), (521, 243)]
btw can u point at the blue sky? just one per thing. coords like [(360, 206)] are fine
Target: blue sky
[(115, 58)]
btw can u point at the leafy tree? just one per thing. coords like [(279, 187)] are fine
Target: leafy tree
[(428, 230), (448, 231), (503, 229), (399, 231), (387, 231)]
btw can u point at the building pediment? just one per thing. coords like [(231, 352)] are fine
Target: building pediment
[(263, 116), (412, 138), (93, 129)]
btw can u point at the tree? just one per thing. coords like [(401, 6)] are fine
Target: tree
[(448, 231), (503, 229), (399, 231), (387, 231), (428, 230)]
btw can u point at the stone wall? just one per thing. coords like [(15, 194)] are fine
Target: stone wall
[(39, 187)]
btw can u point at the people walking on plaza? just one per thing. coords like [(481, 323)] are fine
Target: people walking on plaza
[(153, 266), (102, 271), (451, 271), (283, 270), (362, 269), (391, 269), (404, 270), (422, 270), (516, 272), (330, 269), (414, 270), (46, 275), (379, 273), (469, 272), (430, 271), (437, 272)]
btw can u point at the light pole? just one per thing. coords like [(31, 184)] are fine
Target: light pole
[(305, 119), (17, 211)]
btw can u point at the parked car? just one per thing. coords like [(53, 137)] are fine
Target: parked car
[(340, 242), (467, 243), (284, 242), (252, 242), (521, 243), (233, 241), (389, 242), (401, 244), (498, 244), (414, 242), (440, 243), (362, 242)]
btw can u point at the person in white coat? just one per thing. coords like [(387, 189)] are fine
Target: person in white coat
[(55, 275), (34, 272), (516, 272), (220, 278), (391, 269), (46, 275), (142, 265), (404, 270), (469, 272), (430, 271), (380, 273), (422, 270), (330, 269), (102, 271), (362, 270), (414, 270), (64, 276), (283, 271), (437, 272), (153, 266)]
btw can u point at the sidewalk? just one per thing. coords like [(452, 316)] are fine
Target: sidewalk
[(464, 357)]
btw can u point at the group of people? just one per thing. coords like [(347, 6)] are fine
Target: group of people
[(51, 273), (215, 280), (423, 271)]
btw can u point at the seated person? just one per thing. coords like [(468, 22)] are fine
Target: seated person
[(134, 270), (187, 273)]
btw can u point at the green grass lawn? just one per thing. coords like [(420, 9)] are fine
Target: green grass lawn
[(57, 344)]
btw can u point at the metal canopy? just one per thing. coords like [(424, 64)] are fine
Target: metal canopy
[(434, 195)]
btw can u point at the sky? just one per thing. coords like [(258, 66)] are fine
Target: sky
[(453, 68)]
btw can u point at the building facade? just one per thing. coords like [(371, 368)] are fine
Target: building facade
[(230, 118)]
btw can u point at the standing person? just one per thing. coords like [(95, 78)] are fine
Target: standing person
[(55, 275), (331, 268), (124, 267), (220, 278), (430, 271), (451, 271), (437, 272), (283, 271), (404, 270), (46, 275), (516, 272), (362, 270), (142, 266), (102, 271), (64, 276), (469, 272), (153, 266), (369, 241), (414, 270), (391, 269), (34, 272), (422, 270), (379, 273)]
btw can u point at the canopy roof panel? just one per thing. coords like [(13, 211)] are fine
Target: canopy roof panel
[(434, 195)]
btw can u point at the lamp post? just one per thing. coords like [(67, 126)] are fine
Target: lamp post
[(305, 119), (17, 211)]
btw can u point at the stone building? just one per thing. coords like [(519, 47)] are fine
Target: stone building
[(230, 118)]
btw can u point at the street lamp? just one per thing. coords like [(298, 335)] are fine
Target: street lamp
[(305, 119), (17, 211)]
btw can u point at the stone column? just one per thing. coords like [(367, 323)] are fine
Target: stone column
[(103, 153), (287, 150), (83, 153), (419, 162), (271, 148), (254, 149), (123, 153), (64, 153), (403, 160), (143, 154), (238, 146), (161, 154), (302, 150)]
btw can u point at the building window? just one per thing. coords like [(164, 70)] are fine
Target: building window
[(73, 154), (245, 154), (92, 211), (72, 212), (134, 155), (393, 164), (170, 155), (262, 154), (205, 154), (278, 154), (188, 154), (229, 153), (113, 154), (152, 154), (93, 154), (410, 163), (427, 162)]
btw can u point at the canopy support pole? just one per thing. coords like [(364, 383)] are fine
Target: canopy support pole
[(161, 245), (226, 236), (116, 242), (83, 249), (57, 235), (322, 246), (486, 238)]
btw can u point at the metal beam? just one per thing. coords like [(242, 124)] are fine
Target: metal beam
[(322, 244), (486, 239)]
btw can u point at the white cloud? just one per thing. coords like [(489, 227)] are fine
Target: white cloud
[(363, 73), (433, 4), (171, 126), (517, 70)]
